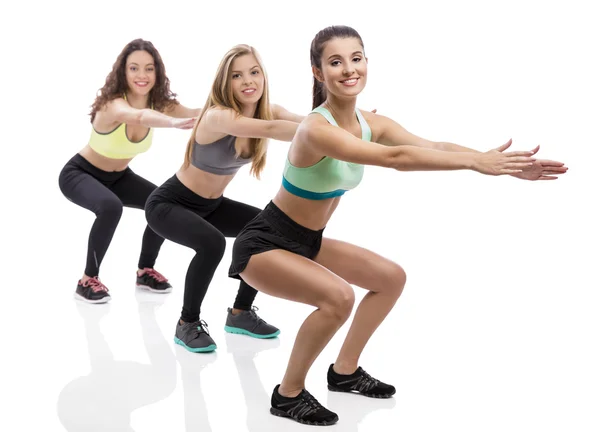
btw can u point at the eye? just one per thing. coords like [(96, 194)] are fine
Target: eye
[(133, 68), (357, 59), (234, 76), (255, 72), (335, 63), (151, 69)]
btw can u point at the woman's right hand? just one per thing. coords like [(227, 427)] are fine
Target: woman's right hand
[(495, 162), (183, 123)]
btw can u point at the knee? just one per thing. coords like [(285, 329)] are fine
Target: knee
[(340, 302), (212, 245), (110, 209), (393, 279)]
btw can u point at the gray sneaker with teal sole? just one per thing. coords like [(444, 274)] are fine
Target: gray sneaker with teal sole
[(194, 337), (250, 324)]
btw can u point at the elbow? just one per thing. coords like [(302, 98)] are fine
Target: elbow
[(397, 159), (140, 117)]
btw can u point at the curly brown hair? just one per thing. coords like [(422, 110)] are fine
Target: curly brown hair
[(115, 86)]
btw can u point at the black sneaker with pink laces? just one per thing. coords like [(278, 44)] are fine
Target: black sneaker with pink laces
[(92, 291), (152, 280)]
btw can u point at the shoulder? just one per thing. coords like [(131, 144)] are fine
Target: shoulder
[(312, 126), (377, 123), (220, 113)]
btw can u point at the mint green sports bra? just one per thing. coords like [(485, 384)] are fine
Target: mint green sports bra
[(328, 178)]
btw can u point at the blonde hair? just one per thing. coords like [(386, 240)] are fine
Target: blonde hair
[(221, 94)]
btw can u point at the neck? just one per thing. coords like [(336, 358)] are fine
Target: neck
[(343, 110), (137, 101)]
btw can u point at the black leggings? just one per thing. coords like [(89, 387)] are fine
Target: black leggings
[(105, 194), (180, 215)]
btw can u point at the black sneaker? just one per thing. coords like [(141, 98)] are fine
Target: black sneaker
[(194, 337), (359, 382), (152, 280), (92, 291), (303, 408)]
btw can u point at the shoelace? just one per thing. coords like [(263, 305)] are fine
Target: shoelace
[(255, 316), (200, 327), (366, 382), (308, 406), (95, 284), (156, 275)]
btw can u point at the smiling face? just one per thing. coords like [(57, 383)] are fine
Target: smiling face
[(343, 67), (140, 72), (247, 79)]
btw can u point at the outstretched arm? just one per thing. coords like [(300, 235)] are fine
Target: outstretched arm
[(280, 113), (226, 120), (179, 111), (395, 135), (119, 111), (322, 138)]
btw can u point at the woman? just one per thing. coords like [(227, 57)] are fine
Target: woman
[(190, 208), (135, 99), (285, 241)]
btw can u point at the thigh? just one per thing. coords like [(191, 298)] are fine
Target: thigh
[(305, 281), (181, 225), (360, 266), (133, 190), (86, 191), (231, 216)]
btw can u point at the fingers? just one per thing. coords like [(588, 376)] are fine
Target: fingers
[(519, 153), (547, 178), (510, 171), (504, 146), (545, 163), (535, 150), (374, 111), (552, 172)]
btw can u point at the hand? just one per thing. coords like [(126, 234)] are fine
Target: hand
[(185, 123), (374, 111), (542, 169), (495, 162)]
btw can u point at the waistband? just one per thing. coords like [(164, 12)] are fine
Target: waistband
[(175, 191), (288, 227), (82, 163)]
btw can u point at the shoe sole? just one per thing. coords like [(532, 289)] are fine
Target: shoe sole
[(99, 301), (236, 330), (147, 288), (279, 413), (209, 348), (380, 396)]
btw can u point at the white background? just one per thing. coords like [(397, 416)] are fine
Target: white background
[(498, 326)]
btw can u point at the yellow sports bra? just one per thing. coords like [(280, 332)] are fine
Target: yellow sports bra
[(116, 145)]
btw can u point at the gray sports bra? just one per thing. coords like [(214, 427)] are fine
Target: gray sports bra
[(218, 157)]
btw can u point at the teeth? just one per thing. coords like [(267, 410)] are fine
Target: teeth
[(350, 81)]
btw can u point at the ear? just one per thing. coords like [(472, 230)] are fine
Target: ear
[(317, 74), (366, 60)]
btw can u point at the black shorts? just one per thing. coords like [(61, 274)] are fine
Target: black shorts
[(272, 229)]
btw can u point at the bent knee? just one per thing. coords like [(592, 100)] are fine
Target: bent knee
[(393, 279), (111, 208), (339, 302)]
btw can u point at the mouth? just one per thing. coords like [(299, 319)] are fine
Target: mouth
[(350, 82), (141, 83), (249, 91)]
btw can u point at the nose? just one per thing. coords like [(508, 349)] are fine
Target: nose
[(348, 70)]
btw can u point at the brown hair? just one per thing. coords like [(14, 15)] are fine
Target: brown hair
[(115, 86), (221, 95)]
